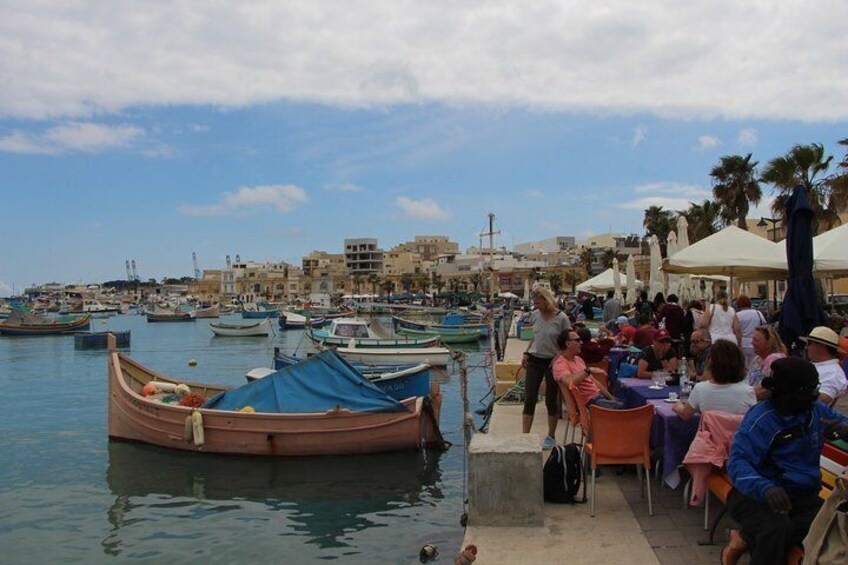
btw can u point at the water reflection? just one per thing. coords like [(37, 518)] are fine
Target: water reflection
[(322, 499)]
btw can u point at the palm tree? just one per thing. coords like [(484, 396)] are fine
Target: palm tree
[(406, 281), (388, 286), (572, 278), (475, 279), (374, 279), (735, 187), (586, 257), (556, 282), (658, 222), (454, 283), (839, 183), (607, 258), (357, 282), (803, 165), (704, 219), (438, 283)]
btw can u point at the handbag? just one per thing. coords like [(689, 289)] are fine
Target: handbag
[(827, 540)]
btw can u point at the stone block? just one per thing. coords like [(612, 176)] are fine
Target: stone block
[(505, 480), (505, 371)]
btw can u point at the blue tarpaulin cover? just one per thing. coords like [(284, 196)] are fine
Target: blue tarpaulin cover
[(321, 383)]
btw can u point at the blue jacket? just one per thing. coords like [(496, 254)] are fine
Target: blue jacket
[(774, 450)]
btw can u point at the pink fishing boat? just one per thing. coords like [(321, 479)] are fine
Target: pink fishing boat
[(408, 424)]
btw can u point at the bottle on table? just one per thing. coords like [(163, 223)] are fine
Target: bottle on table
[(685, 384)]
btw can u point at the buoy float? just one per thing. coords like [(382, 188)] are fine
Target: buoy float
[(192, 362), (197, 428), (428, 553)]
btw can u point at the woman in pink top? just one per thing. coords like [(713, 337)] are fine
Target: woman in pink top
[(767, 349), (570, 370)]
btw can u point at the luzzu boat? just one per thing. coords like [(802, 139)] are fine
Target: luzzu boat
[(346, 331), (452, 324), (319, 407), (263, 328), (22, 324), (453, 336)]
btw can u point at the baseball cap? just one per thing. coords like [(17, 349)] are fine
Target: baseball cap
[(622, 320), (662, 335)]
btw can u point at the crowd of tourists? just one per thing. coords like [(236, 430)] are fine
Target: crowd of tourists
[(740, 366)]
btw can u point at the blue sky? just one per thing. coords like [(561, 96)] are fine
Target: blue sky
[(145, 140)]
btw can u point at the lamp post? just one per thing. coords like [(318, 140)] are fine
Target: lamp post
[(772, 231)]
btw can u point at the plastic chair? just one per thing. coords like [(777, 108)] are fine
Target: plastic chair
[(571, 407), (621, 437), (603, 380)]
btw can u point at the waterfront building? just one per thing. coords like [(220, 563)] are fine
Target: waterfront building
[(363, 256), (551, 245), (430, 247)]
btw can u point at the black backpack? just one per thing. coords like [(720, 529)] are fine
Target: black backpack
[(561, 474)]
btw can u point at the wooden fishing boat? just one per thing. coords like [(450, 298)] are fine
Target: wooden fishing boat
[(459, 336), (343, 331), (390, 425), (290, 320), (21, 324), (262, 328), (254, 312), (282, 360), (210, 312), (402, 384), (449, 324), (100, 340), (170, 316), (435, 356)]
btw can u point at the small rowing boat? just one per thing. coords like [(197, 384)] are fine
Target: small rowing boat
[(262, 328), (22, 324)]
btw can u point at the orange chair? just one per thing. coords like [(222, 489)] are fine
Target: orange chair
[(571, 408), (603, 365), (603, 380), (621, 437)]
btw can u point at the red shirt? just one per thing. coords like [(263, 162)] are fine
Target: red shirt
[(644, 336), (594, 351)]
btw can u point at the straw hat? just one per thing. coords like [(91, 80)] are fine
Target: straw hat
[(823, 335)]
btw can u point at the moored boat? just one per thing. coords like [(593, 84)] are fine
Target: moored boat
[(282, 360), (262, 328), (345, 414), (294, 321), (21, 324), (171, 316), (344, 331), (209, 312), (456, 336), (100, 340), (451, 323), (435, 356), (252, 311)]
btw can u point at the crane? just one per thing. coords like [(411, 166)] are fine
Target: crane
[(129, 273), (196, 268), (134, 273)]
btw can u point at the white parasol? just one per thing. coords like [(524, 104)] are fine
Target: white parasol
[(616, 279), (631, 280), (685, 289), (671, 249), (655, 284)]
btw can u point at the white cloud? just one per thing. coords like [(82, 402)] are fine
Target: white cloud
[(669, 195), (74, 60), (708, 141), (763, 209), (534, 193), (282, 198), (5, 289), (424, 209), (748, 137), (85, 137), (344, 187), (639, 135)]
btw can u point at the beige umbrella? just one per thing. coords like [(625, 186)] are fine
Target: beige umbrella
[(671, 249), (616, 279), (631, 280), (685, 290), (655, 284)]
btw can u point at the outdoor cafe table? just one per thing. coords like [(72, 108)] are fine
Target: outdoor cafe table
[(636, 392), (616, 356), (673, 435)]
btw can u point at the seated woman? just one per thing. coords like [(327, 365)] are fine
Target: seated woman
[(570, 370), (725, 390), (659, 356), (767, 349)]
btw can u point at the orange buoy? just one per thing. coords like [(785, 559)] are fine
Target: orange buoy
[(149, 389)]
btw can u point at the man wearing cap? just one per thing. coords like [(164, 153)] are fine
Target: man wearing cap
[(659, 356), (823, 351), (612, 308), (774, 465)]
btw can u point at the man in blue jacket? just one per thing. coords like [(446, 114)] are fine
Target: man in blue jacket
[(774, 464)]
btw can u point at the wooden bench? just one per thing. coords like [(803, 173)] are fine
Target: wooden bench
[(833, 463)]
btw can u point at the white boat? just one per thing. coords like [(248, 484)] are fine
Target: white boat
[(263, 328), (96, 307), (435, 356), (367, 334)]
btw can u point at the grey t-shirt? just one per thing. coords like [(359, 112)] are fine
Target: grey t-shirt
[(734, 398), (546, 332)]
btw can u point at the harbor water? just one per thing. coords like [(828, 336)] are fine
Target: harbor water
[(68, 494)]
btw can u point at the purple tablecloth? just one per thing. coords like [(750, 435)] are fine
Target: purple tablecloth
[(673, 435), (635, 392), (616, 355)]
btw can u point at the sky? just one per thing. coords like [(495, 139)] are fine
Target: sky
[(151, 130)]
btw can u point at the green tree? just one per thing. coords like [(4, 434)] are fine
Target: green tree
[(735, 187), (586, 256), (357, 282), (572, 278), (475, 279), (607, 258), (839, 182), (659, 222), (374, 279), (556, 282), (804, 165), (704, 219), (454, 284)]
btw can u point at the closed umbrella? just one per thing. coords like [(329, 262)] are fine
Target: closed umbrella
[(671, 249), (616, 279), (655, 284), (685, 288), (631, 280), (801, 310)]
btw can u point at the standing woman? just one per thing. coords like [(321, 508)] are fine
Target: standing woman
[(721, 320), (749, 319), (548, 323)]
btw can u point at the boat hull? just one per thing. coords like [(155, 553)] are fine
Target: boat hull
[(81, 324), (211, 312), (100, 340), (262, 329), (449, 337), (323, 337), (135, 418), (249, 315), (436, 356), (177, 317)]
